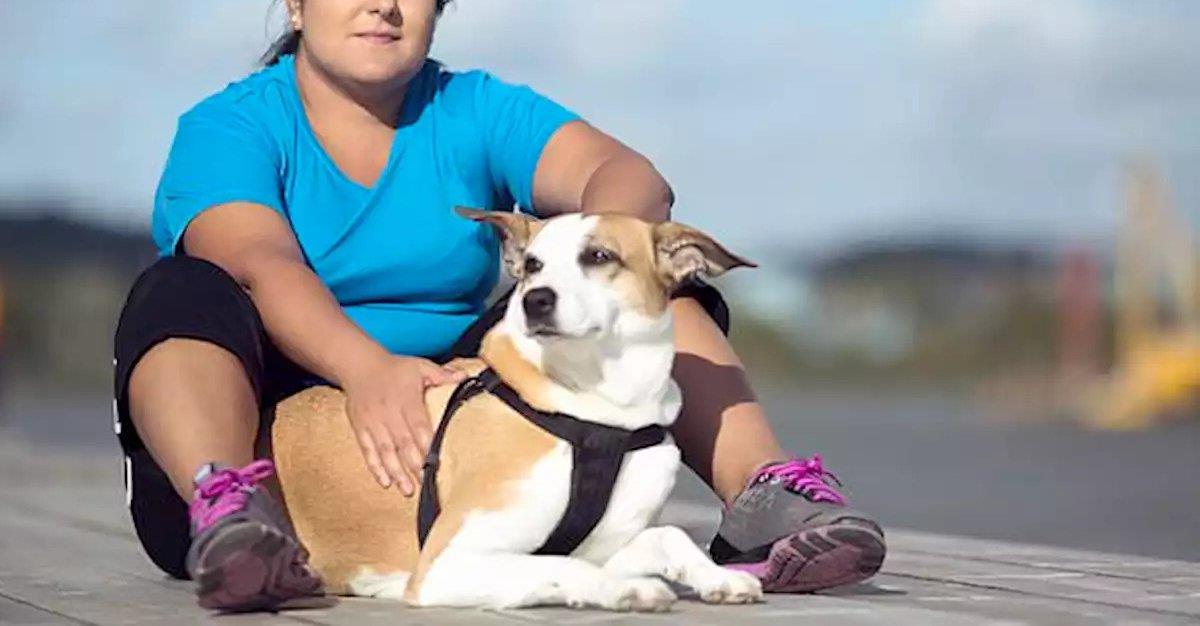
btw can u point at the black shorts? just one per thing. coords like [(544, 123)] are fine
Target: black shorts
[(187, 297)]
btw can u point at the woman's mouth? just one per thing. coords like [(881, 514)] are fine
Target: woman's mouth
[(378, 38)]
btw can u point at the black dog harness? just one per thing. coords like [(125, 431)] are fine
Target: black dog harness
[(596, 454)]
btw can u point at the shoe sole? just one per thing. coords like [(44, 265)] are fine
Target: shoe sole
[(253, 567), (819, 558)]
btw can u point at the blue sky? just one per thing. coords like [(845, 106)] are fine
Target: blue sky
[(778, 122)]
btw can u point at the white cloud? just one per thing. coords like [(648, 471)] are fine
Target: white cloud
[(1038, 103), (1065, 27)]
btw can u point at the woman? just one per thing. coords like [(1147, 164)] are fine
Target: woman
[(305, 225)]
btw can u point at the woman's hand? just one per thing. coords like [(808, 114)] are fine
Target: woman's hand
[(385, 402)]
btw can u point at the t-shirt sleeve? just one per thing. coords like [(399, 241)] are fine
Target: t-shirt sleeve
[(220, 154), (516, 122)]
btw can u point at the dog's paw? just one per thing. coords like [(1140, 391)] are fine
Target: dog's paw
[(638, 594), (717, 585)]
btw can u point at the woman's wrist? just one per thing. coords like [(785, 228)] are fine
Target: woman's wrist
[(357, 364)]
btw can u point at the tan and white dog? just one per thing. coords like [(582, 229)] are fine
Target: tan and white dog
[(596, 342)]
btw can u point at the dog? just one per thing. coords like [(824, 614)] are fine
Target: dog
[(587, 332)]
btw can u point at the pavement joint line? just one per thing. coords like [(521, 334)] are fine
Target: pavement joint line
[(1050, 576), (1069, 567), (285, 615), (829, 611), (1045, 596), (42, 609), (970, 598), (35, 511)]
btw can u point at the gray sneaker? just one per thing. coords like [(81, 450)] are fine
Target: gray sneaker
[(793, 530), (244, 554)]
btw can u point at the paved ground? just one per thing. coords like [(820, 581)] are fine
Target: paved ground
[(918, 460), (67, 556)]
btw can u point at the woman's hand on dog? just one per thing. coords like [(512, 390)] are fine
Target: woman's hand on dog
[(385, 403)]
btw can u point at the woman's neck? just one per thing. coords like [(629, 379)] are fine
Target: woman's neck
[(327, 98)]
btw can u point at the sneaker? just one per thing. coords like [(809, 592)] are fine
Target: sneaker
[(793, 530), (244, 554)]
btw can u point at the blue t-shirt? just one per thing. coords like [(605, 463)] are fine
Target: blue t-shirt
[(402, 264)]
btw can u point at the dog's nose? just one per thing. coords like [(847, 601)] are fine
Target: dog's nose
[(539, 303)]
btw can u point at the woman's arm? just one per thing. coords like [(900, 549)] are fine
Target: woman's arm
[(583, 169), (384, 393), (254, 245)]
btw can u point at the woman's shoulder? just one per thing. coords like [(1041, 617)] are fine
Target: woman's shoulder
[(462, 84), (468, 91), (264, 98), (452, 89)]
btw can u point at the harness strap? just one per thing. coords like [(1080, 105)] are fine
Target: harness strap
[(429, 505), (597, 452)]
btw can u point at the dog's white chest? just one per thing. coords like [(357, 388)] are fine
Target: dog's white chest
[(643, 484), (646, 480)]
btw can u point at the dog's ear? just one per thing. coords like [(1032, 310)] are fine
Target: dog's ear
[(516, 231), (682, 252)]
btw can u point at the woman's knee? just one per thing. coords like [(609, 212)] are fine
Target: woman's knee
[(179, 281), (709, 299), (185, 297)]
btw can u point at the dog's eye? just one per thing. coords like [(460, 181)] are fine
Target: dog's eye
[(532, 265), (597, 256)]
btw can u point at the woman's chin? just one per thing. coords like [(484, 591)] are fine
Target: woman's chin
[(371, 71)]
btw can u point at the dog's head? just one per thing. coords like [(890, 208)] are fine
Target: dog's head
[(598, 276)]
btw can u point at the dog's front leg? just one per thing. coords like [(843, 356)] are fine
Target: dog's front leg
[(667, 551), (502, 581)]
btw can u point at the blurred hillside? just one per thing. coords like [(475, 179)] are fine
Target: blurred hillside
[(924, 313), (942, 313), (64, 283)]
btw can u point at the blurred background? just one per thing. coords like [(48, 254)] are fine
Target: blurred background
[(978, 296)]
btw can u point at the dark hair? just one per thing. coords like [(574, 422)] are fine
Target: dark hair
[(289, 42)]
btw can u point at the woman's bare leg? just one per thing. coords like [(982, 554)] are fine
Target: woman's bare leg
[(722, 431), (192, 404)]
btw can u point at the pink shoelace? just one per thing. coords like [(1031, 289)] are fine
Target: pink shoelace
[(804, 476), (225, 491)]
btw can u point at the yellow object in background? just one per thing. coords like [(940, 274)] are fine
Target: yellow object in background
[(1156, 373)]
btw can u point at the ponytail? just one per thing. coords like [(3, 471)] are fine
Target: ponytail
[(287, 43)]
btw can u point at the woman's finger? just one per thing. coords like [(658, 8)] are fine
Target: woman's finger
[(374, 465), (407, 446), (434, 374), (388, 449), (414, 459), (416, 416)]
